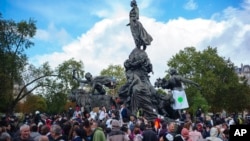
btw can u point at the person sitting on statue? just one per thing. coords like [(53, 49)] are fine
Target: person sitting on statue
[(97, 83), (140, 35)]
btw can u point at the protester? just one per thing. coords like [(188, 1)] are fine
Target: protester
[(43, 138), (34, 134), (56, 133), (138, 136), (77, 135), (148, 134), (116, 134), (5, 137), (24, 134), (214, 135), (98, 133), (195, 135), (184, 135)]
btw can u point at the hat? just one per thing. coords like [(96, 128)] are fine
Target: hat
[(185, 132), (37, 112), (115, 123)]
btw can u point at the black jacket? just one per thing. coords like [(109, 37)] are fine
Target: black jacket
[(149, 135)]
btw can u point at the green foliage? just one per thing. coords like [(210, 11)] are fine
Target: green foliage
[(54, 96), (237, 98), (34, 103), (55, 102), (15, 38), (215, 75), (56, 89), (198, 101), (118, 73), (65, 73)]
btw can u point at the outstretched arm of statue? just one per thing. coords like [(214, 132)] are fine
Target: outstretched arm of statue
[(190, 82), (81, 81), (78, 79)]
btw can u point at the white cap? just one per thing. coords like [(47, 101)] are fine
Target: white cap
[(37, 112)]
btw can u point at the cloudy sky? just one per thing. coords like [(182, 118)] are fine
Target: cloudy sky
[(95, 31)]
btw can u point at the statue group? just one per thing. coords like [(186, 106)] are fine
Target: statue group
[(138, 93)]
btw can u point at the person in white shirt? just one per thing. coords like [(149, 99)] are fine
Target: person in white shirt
[(93, 115), (77, 112), (102, 113)]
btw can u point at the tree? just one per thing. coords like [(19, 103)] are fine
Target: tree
[(118, 73), (15, 38), (18, 79), (33, 78), (216, 76), (34, 103), (56, 89), (237, 97), (65, 73)]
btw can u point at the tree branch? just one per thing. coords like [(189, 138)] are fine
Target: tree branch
[(19, 96)]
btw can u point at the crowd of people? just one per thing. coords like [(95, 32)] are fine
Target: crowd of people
[(116, 125)]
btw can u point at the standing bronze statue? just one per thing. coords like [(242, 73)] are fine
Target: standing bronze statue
[(140, 35), (138, 94)]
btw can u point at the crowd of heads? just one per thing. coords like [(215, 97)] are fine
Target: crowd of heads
[(84, 125)]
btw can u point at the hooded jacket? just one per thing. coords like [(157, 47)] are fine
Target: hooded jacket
[(214, 135)]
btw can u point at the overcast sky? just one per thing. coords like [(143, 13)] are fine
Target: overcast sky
[(95, 31)]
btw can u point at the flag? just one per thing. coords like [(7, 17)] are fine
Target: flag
[(180, 99)]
